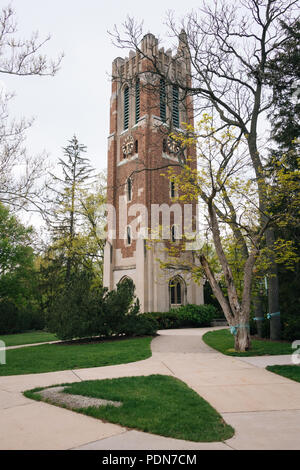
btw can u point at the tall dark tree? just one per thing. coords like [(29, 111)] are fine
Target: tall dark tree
[(77, 172), (283, 76)]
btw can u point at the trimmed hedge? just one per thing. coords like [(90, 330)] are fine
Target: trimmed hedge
[(185, 316)]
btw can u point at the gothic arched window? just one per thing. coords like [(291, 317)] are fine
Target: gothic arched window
[(176, 290)]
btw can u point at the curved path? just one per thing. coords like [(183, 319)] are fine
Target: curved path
[(263, 408)]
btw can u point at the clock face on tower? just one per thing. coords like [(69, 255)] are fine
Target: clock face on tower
[(127, 146), (173, 146)]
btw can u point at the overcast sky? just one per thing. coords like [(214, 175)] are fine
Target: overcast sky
[(76, 100)]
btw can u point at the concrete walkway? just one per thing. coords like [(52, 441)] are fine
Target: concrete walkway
[(264, 408)]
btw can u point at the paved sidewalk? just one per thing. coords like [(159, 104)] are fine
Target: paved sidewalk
[(263, 407), (27, 345), (264, 361)]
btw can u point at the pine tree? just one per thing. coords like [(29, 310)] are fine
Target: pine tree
[(283, 76), (77, 173)]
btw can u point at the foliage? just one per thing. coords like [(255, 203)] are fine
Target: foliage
[(14, 319), (139, 325), (227, 48), (74, 312), (291, 327), (77, 173), (15, 250), (8, 317), (164, 320), (19, 296), (209, 298), (185, 316), (283, 74), (195, 315), (77, 217), (231, 205), (83, 309)]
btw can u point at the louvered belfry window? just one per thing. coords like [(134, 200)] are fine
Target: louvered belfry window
[(126, 108), (128, 235), (129, 189), (175, 107), (137, 100), (162, 96), (172, 189)]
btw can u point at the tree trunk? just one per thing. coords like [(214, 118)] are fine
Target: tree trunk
[(258, 313), (273, 293), (242, 339)]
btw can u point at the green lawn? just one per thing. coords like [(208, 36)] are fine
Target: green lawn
[(156, 404), (223, 341), (28, 338), (291, 372), (53, 357)]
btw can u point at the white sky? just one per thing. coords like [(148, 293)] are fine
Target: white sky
[(76, 100)]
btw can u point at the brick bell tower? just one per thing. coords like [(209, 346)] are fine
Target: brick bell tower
[(138, 193)]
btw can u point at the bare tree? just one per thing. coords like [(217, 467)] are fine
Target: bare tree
[(20, 172), (228, 44)]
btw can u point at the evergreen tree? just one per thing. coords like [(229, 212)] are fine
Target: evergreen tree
[(66, 219), (283, 75)]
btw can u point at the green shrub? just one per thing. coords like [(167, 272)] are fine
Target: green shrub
[(30, 318), (74, 313), (210, 299), (164, 320), (84, 310), (195, 315), (14, 319), (291, 328), (185, 316), (8, 317), (139, 325)]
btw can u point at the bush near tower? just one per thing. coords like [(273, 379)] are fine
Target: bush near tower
[(83, 309)]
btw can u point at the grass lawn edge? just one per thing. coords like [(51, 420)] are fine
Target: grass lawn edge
[(223, 341), (289, 371), (217, 429), (47, 358)]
